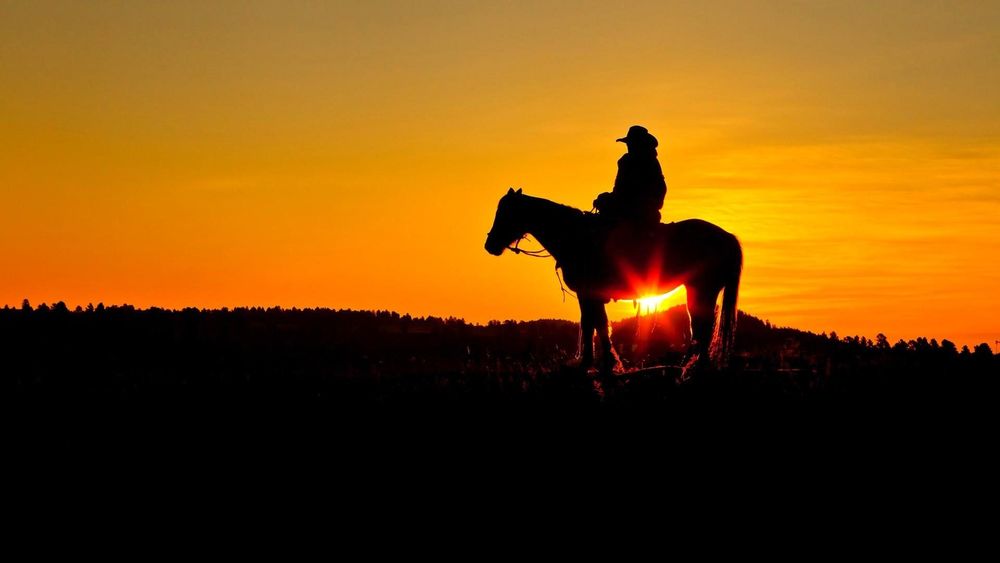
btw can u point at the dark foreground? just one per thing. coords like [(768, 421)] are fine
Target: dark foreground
[(399, 405), (370, 359), (384, 422), (381, 366)]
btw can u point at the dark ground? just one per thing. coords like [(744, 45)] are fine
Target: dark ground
[(247, 374), (348, 359), (374, 404)]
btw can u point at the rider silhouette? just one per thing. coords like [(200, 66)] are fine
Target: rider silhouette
[(637, 196)]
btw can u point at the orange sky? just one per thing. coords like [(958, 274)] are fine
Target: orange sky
[(315, 154)]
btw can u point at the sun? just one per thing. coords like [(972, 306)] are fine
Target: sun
[(651, 303)]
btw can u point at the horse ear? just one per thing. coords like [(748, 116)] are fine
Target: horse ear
[(518, 190), (510, 191)]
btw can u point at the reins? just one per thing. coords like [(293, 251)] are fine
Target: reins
[(541, 253)]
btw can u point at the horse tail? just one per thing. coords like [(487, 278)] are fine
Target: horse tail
[(726, 328)]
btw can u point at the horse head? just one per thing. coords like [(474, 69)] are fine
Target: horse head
[(507, 225)]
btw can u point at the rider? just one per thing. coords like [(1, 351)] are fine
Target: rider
[(637, 196)]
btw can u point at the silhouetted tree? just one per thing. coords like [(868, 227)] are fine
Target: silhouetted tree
[(881, 341), (982, 350)]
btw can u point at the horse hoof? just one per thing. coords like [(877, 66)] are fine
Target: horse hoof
[(608, 381), (689, 368), (612, 368), (683, 377)]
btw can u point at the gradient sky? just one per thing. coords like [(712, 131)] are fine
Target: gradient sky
[(352, 154)]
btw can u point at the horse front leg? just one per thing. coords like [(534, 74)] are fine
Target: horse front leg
[(609, 358), (701, 310), (587, 327)]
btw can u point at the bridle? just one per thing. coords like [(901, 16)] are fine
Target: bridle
[(540, 253)]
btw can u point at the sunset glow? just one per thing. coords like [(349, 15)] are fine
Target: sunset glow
[(351, 155)]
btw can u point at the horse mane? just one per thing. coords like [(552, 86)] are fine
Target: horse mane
[(564, 211)]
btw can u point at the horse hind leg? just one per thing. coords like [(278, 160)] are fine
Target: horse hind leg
[(701, 310)]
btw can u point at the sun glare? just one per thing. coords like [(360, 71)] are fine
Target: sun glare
[(651, 303)]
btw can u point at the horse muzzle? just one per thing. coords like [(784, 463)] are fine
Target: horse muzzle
[(493, 248)]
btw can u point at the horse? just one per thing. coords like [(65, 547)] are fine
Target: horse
[(601, 262)]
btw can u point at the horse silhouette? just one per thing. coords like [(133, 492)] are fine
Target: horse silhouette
[(603, 261)]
